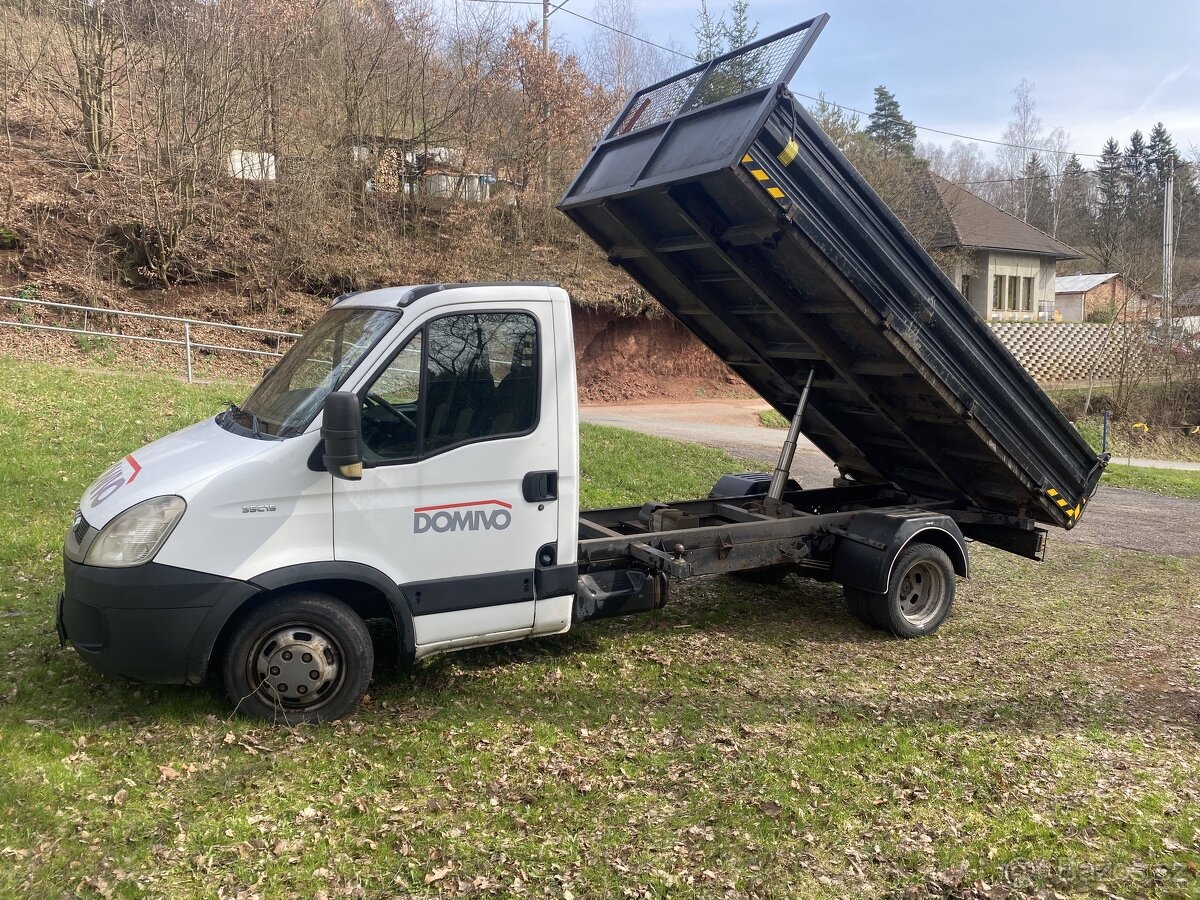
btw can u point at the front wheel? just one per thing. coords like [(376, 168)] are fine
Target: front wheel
[(919, 597), (299, 658)]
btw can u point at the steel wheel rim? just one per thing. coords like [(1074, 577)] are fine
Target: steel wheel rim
[(922, 593), (297, 666)]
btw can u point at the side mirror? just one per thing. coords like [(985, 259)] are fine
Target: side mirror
[(341, 429)]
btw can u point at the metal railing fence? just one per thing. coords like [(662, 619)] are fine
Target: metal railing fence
[(185, 340)]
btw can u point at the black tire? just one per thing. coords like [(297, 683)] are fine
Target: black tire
[(920, 593), (765, 575), (302, 657), (861, 605)]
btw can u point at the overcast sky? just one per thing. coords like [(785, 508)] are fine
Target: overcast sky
[(1100, 68)]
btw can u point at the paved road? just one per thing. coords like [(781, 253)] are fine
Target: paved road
[(1116, 517), (729, 425)]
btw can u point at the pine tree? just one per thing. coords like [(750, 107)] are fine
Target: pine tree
[(1136, 165), (888, 128), (709, 31), (1161, 155), (1136, 159), (748, 70), (716, 37), (740, 30), (1039, 211), (1076, 224), (1110, 207), (1142, 215)]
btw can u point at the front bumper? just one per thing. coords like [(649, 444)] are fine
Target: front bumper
[(149, 623)]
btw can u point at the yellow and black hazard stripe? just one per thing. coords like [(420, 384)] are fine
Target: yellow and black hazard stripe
[(785, 156), (1071, 512)]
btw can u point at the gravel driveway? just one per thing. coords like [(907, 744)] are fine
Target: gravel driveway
[(1116, 517)]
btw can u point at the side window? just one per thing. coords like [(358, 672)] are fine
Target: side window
[(461, 378), (392, 406), (481, 377)]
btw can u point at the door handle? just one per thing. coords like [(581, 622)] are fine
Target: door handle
[(539, 486)]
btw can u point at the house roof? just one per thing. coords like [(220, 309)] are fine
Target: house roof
[(1080, 284), (976, 223), (1187, 300)]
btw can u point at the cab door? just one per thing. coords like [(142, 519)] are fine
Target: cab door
[(459, 486)]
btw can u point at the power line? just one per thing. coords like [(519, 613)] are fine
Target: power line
[(1023, 178), (826, 101), (965, 137), (571, 12)]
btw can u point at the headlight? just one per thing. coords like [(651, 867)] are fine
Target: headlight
[(134, 536)]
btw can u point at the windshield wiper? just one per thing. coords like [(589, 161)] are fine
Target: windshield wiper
[(234, 411)]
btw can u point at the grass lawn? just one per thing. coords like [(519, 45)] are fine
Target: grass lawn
[(746, 741), (769, 418), (1171, 482)]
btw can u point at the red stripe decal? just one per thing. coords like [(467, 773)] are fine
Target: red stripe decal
[(133, 463), (459, 505)]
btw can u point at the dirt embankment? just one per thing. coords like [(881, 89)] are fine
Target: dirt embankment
[(622, 358)]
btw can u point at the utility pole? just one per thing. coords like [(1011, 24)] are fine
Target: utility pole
[(546, 103), (1168, 254)]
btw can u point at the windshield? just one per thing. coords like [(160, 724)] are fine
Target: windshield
[(287, 400)]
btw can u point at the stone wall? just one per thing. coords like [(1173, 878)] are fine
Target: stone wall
[(1065, 352)]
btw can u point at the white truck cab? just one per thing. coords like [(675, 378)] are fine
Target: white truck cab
[(232, 541)]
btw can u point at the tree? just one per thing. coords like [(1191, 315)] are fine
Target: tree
[(888, 128), (710, 42), (739, 31), (617, 60), (748, 70), (94, 39), (840, 125), (1039, 211), (1057, 155), (1073, 202), (1108, 227), (1023, 135), (716, 37), (961, 163), (1161, 154), (558, 106)]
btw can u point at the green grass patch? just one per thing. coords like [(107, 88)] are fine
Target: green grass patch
[(744, 741), (624, 468), (1170, 482), (769, 418)]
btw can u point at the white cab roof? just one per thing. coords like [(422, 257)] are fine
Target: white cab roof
[(475, 292)]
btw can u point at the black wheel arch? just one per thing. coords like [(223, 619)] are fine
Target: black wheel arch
[(873, 541), (366, 590)]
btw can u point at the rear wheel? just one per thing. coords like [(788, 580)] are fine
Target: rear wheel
[(920, 592), (299, 658), (919, 597), (860, 604)]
